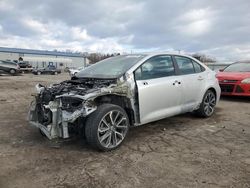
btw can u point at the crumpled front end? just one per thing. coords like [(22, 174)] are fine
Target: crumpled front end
[(61, 107), (54, 115)]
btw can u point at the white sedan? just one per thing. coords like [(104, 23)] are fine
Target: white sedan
[(104, 100)]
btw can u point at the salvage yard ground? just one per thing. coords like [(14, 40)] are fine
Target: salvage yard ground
[(182, 151)]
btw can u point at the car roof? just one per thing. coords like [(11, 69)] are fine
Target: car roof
[(149, 55), (160, 53), (10, 62)]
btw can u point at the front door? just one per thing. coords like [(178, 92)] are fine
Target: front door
[(159, 89)]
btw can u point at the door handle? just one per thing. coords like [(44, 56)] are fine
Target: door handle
[(200, 78), (145, 83), (176, 82)]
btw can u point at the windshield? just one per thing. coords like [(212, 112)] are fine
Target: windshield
[(238, 67), (110, 68)]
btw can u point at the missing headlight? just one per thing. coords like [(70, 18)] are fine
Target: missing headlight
[(71, 104)]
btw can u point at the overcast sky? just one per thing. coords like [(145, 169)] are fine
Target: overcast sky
[(220, 28)]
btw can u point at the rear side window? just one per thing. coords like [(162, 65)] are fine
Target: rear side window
[(197, 67), (185, 65)]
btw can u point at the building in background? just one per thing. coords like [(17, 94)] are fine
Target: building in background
[(40, 58)]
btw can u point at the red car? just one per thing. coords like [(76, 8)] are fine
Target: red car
[(235, 79)]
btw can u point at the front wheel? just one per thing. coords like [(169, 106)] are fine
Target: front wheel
[(12, 71), (207, 106), (107, 127)]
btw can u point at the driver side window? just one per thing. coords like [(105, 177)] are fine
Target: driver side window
[(155, 67)]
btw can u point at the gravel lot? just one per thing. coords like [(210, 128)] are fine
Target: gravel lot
[(182, 151)]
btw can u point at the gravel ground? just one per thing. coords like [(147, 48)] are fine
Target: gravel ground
[(182, 151)]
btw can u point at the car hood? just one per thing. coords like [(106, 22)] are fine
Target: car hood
[(233, 75), (83, 88)]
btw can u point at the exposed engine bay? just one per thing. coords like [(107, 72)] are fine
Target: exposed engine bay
[(58, 106)]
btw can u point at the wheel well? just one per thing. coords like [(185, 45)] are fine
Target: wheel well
[(121, 101), (214, 91)]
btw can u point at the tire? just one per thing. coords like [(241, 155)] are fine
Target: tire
[(207, 106), (55, 73), (101, 133), (39, 73), (41, 132), (12, 71)]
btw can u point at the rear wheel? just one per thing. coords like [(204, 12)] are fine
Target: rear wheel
[(55, 73), (38, 73), (207, 106), (107, 127)]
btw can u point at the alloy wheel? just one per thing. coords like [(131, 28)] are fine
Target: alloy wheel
[(209, 103), (112, 129)]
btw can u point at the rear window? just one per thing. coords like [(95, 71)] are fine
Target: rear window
[(238, 67)]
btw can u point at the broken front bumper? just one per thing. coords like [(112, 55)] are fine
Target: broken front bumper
[(59, 126)]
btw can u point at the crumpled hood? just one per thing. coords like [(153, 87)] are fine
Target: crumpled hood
[(74, 88)]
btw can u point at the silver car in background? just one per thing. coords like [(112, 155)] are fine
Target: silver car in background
[(74, 71), (107, 98), (9, 67)]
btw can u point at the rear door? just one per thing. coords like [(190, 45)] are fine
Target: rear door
[(159, 91), (193, 82)]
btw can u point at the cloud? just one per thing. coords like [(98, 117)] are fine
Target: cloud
[(80, 34), (219, 28), (195, 22), (35, 25)]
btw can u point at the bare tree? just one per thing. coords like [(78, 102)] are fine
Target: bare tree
[(95, 57), (204, 58)]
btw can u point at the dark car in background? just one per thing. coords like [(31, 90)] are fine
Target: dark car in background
[(24, 64), (9, 67), (47, 70)]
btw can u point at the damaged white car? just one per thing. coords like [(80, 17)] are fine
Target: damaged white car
[(103, 101)]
